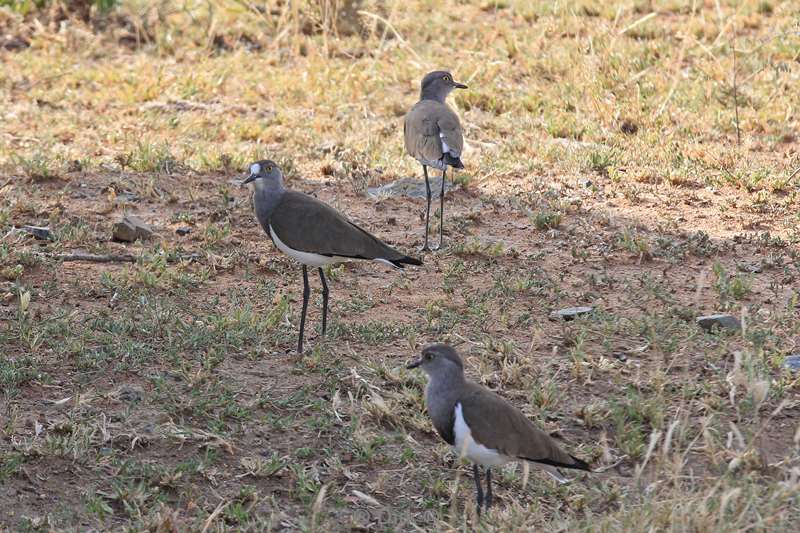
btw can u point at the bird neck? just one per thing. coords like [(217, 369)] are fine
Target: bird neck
[(267, 196), (443, 391), (432, 94)]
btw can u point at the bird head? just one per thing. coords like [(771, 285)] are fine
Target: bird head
[(438, 359), (439, 84), (265, 170)]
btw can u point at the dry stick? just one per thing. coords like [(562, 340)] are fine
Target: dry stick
[(213, 516), (92, 258), (735, 93), (396, 33), (676, 74), (638, 22), (384, 33), (317, 507)]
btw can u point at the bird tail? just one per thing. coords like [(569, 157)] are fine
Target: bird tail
[(580, 465), (553, 468), (405, 260), (454, 162), (576, 463)]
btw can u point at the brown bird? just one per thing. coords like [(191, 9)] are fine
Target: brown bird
[(482, 426), (312, 233), (433, 136)]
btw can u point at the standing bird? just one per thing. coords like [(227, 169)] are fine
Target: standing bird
[(433, 136), (482, 426), (312, 233)]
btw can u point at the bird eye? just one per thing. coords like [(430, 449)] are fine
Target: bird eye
[(446, 78), (269, 169)]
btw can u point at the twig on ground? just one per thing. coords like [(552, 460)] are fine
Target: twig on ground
[(400, 38), (735, 90), (92, 258), (108, 258), (213, 516), (638, 22)]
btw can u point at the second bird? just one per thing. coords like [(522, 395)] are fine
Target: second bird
[(312, 233), (482, 426), (433, 136)]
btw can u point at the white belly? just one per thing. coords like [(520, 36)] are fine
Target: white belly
[(466, 446), (445, 148), (306, 258)]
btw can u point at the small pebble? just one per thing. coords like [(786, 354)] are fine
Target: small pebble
[(131, 228), (792, 362), (41, 233), (570, 313), (721, 321)]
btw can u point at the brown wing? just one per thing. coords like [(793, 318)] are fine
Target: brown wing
[(304, 223), (426, 125), (450, 130), (497, 424)]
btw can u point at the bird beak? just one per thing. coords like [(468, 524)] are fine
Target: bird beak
[(414, 364), (459, 85), (250, 178)]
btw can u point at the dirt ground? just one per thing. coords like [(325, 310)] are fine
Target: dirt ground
[(164, 394)]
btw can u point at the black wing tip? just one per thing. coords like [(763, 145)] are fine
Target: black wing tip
[(577, 464), (580, 464), (406, 260), (454, 162)]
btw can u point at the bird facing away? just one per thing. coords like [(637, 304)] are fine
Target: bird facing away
[(433, 136), (312, 233), (482, 426)]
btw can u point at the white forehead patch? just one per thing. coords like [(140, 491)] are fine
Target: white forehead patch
[(255, 169)]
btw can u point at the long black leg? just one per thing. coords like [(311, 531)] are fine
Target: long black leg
[(488, 488), (306, 293), (479, 490), (324, 300), (428, 209), (441, 211)]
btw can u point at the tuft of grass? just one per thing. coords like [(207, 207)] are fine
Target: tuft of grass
[(634, 242), (39, 166), (546, 219), (600, 161), (149, 157), (731, 288)]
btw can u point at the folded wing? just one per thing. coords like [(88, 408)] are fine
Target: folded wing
[(499, 425), (305, 224), (432, 133)]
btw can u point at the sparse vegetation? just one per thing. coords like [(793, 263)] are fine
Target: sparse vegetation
[(602, 169)]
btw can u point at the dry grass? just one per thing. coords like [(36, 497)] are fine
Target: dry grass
[(602, 168)]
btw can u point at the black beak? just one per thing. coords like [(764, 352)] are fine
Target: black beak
[(459, 85), (414, 364), (250, 178)]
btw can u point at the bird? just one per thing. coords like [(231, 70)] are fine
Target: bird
[(312, 233), (481, 425), (433, 136)]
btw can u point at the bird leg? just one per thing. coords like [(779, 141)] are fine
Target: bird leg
[(306, 293), (428, 210), (488, 499), (324, 300), (479, 494), (441, 212)]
